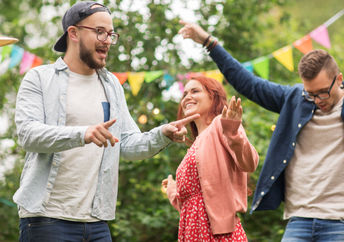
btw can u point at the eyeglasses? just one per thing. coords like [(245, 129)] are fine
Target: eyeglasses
[(321, 95), (102, 34)]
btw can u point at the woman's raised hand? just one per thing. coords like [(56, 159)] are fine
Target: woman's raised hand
[(234, 110)]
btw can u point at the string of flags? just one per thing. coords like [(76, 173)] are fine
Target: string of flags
[(13, 55)]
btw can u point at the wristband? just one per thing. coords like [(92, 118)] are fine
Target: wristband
[(206, 41)]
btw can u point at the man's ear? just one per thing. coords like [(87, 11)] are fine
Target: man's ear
[(73, 33)]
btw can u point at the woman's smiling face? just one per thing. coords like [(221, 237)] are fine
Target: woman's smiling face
[(196, 99)]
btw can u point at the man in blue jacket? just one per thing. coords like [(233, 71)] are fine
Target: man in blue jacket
[(304, 163)]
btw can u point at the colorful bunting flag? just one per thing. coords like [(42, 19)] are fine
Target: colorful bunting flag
[(261, 66), (320, 35), (215, 74), (285, 57), (16, 56), (168, 79), (248, 66), (182, 77), (152, 75), (6, 51), (12, 55), (37, 61), (135, 80), (181, 87), (26, 62), (122, 76), (304, 44)]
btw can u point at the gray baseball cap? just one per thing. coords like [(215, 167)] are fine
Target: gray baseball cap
[(74, 15)]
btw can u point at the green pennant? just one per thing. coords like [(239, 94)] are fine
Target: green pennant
[(152, 75), (261, 66), (6, 51)]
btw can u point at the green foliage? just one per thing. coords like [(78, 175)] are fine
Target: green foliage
[(246, 28), (8, 210)]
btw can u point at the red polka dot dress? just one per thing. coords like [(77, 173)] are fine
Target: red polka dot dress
[(194, 223)]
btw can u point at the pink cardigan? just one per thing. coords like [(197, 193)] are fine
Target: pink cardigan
[(223, 157)]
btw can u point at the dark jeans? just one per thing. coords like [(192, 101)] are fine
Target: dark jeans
[(42, 229), (312, 229)]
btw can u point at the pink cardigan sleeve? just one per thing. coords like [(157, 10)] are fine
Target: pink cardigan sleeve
[(234, 138)]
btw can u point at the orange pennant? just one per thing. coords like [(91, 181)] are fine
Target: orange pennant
[(36, 62), (304, 44), (122, 76)]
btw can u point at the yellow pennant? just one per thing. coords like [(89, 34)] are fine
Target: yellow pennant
[(135, 80), (285, 57), (215, 74)]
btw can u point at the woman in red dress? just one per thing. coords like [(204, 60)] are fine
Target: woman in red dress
[(211, 181)]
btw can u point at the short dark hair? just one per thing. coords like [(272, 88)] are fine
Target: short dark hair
[(316, 60)]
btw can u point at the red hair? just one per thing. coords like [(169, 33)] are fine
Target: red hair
[(216, 93)]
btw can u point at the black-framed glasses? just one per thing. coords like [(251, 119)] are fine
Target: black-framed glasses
[(102, 34), (321, 95)]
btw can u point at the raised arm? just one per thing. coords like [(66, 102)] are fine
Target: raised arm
[(244, 154), (266, 94)]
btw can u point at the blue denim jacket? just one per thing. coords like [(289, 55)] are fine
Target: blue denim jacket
[(294, 112), (40, 118)]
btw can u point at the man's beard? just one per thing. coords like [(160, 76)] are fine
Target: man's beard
[(86, 56)]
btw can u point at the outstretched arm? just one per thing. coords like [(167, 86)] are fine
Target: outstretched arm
[(176, 130), (266, 94)]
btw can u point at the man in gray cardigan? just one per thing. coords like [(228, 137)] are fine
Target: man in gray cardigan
[(74, 123)]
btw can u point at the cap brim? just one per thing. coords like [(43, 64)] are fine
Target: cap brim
[(7, 40), (61, 44)]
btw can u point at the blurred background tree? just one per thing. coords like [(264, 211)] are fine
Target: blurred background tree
[(148, 42)]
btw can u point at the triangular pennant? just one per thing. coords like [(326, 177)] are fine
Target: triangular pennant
[(181, 87), (135, 80), (261, 66), (37, 61), (168, 79), (16, 56), (6, 51), (304, 44), (26, 62), (122, 76), (320, 35), (285, 57), (215, 74), (182, 77), (248, 66), (152, 75)]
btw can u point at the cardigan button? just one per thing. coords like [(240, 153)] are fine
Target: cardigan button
[(284, 161), (272, 178), (262, 193), (293, 144), (299, 125)]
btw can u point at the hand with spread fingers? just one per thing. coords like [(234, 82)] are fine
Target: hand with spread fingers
[(233, 111), (176, 130)]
